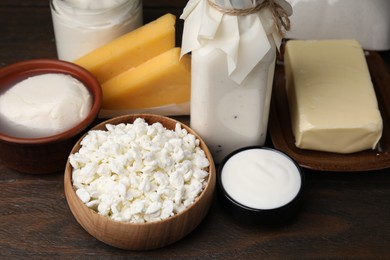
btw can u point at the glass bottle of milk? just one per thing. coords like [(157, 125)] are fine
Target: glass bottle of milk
[(233, 45), (81, 26)]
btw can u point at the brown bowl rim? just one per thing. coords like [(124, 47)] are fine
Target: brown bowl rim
[(39, 66), (211, 180)]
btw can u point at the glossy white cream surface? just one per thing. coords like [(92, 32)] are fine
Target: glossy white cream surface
[(261, 179), (43, 105)]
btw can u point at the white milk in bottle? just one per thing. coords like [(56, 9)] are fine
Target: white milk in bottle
[(233, 46)]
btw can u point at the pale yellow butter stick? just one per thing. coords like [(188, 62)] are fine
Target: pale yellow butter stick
[(332, 101)]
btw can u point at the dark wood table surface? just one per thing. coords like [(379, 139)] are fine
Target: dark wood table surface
[(345, 215)]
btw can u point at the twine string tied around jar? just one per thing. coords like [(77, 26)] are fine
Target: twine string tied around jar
[(280, 15)]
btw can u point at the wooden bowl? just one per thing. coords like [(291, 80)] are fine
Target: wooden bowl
[(149, 235), (45, 154)]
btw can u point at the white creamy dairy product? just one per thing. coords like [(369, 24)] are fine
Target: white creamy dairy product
[(43, 105), (367, 21), (261, 178), (139, 172), (332, 100), (232, 71), (81, 26), (224, 126)]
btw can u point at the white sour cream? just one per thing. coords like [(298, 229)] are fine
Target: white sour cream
[(81, 26), (261, 179), (43, 105)]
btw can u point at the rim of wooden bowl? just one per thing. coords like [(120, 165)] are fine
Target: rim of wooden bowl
[(142, 236)]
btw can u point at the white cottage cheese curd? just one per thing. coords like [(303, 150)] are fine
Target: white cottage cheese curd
[(139, 172)]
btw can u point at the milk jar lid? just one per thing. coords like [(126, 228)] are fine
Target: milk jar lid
[(260, 185)]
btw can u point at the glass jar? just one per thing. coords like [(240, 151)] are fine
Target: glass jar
[(233, 60), (225, 114), (82, 26)]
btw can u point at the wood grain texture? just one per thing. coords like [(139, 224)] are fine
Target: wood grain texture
[(344, 216)]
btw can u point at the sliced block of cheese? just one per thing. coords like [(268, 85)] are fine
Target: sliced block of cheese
[(131, 49), (164, 79), (332, 100)]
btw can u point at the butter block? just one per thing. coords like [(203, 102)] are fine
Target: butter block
[(331, 97), (131, 49), (164, 79)]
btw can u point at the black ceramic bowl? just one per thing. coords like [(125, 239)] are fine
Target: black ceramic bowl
[(260, 185)]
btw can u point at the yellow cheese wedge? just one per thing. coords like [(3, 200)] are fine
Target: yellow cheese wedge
[(131, 49), (163, 80), (332, 99)]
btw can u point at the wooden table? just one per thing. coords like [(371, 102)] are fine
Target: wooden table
[(345, 215)]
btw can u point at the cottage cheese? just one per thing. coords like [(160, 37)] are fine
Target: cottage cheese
[(139, 172)]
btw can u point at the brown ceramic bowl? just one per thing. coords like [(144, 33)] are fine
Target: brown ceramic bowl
[(45, 154), (148, 235)]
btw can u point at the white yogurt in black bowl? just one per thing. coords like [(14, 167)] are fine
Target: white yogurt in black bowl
[(260, 185)]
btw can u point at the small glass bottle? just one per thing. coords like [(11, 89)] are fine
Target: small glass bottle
[(233, 47), (82, 26)]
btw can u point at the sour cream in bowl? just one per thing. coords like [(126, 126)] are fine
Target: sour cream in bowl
[(45, 106), (261, 185)]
